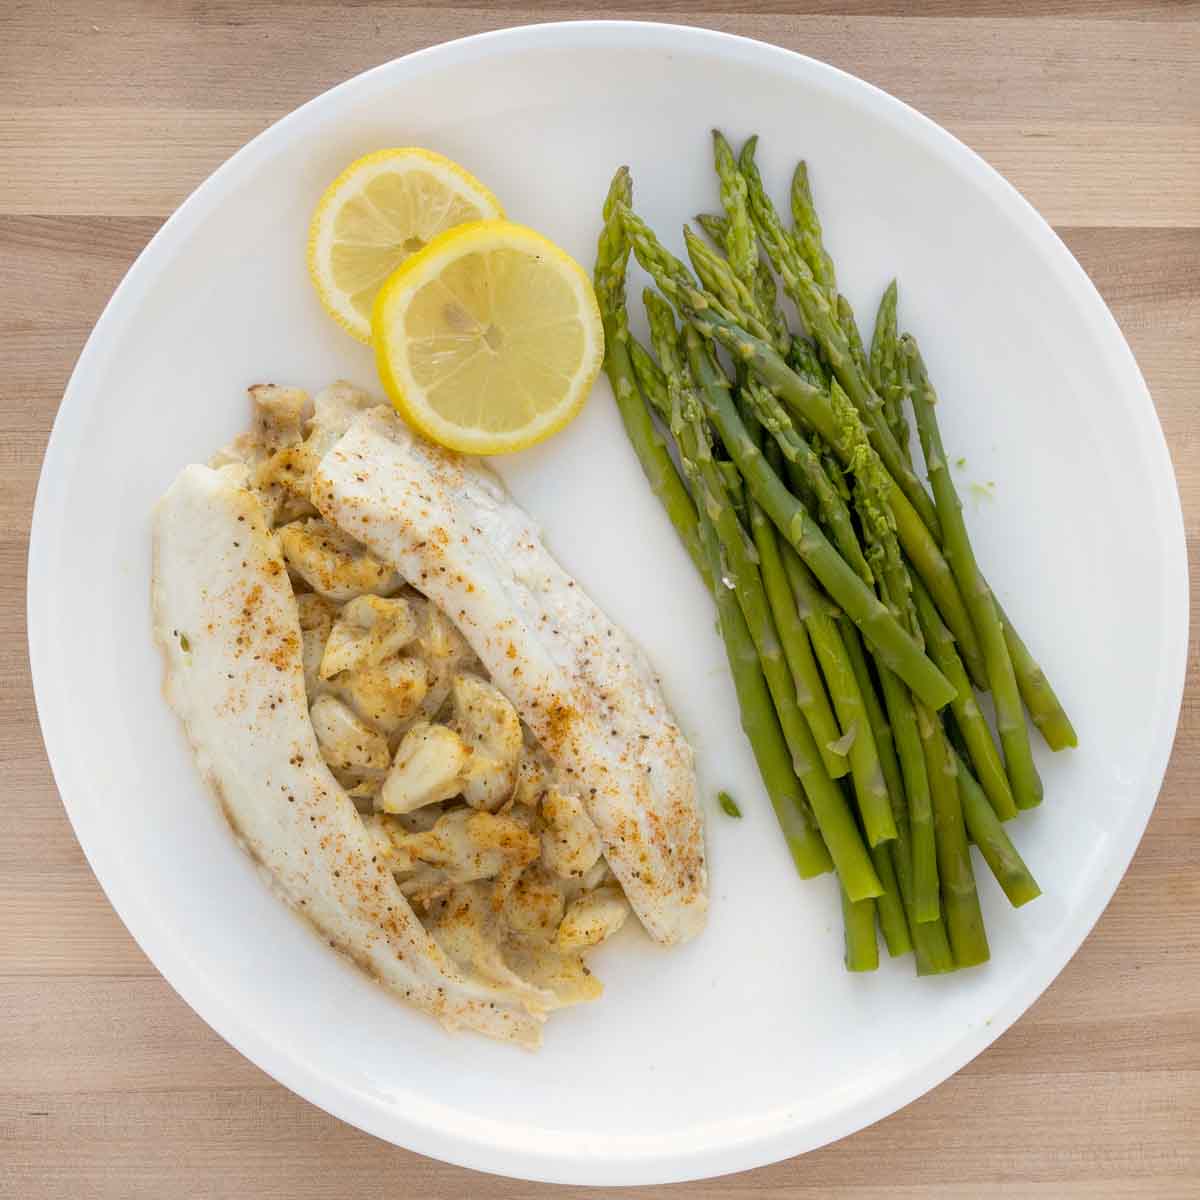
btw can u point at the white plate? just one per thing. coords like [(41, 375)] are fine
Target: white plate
[(752, 1043)]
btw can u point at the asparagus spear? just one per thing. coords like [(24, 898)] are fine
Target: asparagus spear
[(808, 230), (736, 295), (971, 722), (1010, 719), (889, 907), (802, 357), (885, 742), (858, 354), (881, 628), (964, 920), (715, 227), (883, 341), (761, 724), (931, 948), (766, 292), (887, 369), (754, 700), (903, 717), (810, 690), (816, 408), (931, 943), (869, 785), (833, 816), (650, 379), (810, 401), (807, 472), (1001, 856), (831, 420), (827, 805), (804, 468), (612, 256), (862, 948), (890, 378), (741, 242), (820, 317), (1044, 708)]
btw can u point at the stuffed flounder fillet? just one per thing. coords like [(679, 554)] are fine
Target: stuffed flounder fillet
[(446, 756), (578, 681)]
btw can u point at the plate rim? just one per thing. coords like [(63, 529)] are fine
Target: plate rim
[(629, 1166)]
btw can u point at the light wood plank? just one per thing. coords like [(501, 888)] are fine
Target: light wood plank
[(271, 57), (142, 163), (244, 1141)]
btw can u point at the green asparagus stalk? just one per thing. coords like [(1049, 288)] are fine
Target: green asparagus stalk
[(811, 402), (971, 722), (833, 818), (810, 689), (820, 317), (754, 700), (1001, 856), (807, 472), (808, 231), (883, 341), (735, 285), (887, 376), (870, 789), (889, 907), (1044, 708), (931, 943), (612, 257), (650, 379), (858, 353), (931, 947), (803, 359), (903, 717), (709, 488), (885, 742), (715, 227), (816, 408), (862, 947), (964, 919), (741, 242), (677, 283), (879, 534), (719, 279), (894, 646), (1010, 719), (761, 725)]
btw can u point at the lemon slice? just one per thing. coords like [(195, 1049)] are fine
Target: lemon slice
[(489, 339), (376, 214)]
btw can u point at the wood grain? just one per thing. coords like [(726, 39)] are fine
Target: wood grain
[(110, 113)]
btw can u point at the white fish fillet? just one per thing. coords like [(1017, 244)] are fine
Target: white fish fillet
[(578, 681), (227, 623)]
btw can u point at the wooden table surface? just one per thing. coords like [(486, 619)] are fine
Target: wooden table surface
[(110, 113)]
